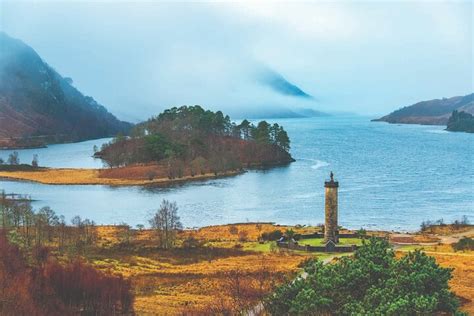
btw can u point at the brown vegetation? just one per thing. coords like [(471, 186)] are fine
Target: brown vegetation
[(188, 277), (49, 288), (217, 269), (252, 231), (133, 175), (190, 280)]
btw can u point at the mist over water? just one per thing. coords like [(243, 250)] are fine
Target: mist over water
[(140, 57), (390, 176)]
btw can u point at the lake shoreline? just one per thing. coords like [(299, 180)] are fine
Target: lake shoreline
[(76, 176)]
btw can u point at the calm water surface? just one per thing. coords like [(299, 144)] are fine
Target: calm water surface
[(390, 176)]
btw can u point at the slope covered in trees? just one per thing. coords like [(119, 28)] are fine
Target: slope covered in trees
[(39, 106), (461, 122), (432, 112), (34, 282), (192, 140)]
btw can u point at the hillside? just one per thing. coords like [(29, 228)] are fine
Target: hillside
[(461, 122), (432, 112), (189, 141), (279, 84), (39, 106)]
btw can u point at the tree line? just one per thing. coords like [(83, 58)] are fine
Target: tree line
[(29, 228), (14, 160), (189, 133), (32, 281), (461, 121)]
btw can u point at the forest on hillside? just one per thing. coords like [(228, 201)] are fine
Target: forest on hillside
[(191, 139), (38, 106), (461, 121)]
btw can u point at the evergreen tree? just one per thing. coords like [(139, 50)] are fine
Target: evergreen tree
[(373, 282)]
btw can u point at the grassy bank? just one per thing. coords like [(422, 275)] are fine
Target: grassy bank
[(70, 176)]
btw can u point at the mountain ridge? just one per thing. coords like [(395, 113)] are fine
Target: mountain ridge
[(38, 106), (430, 112)]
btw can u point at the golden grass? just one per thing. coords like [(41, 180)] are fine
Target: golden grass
[(243, 231), (463, 276), (418, 238), (167, 282), (92, 176), (462, 282), (448, 229)]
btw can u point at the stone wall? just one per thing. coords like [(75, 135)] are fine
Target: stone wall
[(326, 248)]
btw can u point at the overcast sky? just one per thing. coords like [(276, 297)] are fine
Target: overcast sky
[(139, 58)]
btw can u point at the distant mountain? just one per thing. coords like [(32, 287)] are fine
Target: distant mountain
[(38, 105), (279, 84), (280, 112), (433, 112), (311, 113)]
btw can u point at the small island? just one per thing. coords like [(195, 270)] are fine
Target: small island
[(180, 144), (191, 141)]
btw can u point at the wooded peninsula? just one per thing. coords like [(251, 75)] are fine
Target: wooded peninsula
[(180, 144)]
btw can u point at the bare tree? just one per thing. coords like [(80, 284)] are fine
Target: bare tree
[(13, 158), (50, 220), (166, 223)]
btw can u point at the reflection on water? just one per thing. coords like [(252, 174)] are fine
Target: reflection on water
[(391, 177), (74, 155)]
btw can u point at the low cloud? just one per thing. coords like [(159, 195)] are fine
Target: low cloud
[(139, 58)]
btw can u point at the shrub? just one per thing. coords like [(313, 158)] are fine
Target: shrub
[(50, 288), (233, 230), (272, 236), (464, 243), (192, 242), (243, 236), (373, 282), (87, 290)]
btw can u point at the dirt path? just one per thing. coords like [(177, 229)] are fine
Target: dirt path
[(453, 238), (443, 239)]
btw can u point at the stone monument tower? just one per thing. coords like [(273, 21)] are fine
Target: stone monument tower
[(330, 226)]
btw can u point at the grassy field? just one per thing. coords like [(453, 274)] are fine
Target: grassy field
[(168, 282), (93, 176), (171, 282), (461, 262), (320, 241), (194, 280)]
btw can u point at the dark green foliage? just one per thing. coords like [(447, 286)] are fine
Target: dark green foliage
[(20, 167), (361, 233), (199, 137), (159, 147), (261, 133), (272, 236), (461, 122), (464, 243), (373, 282)]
